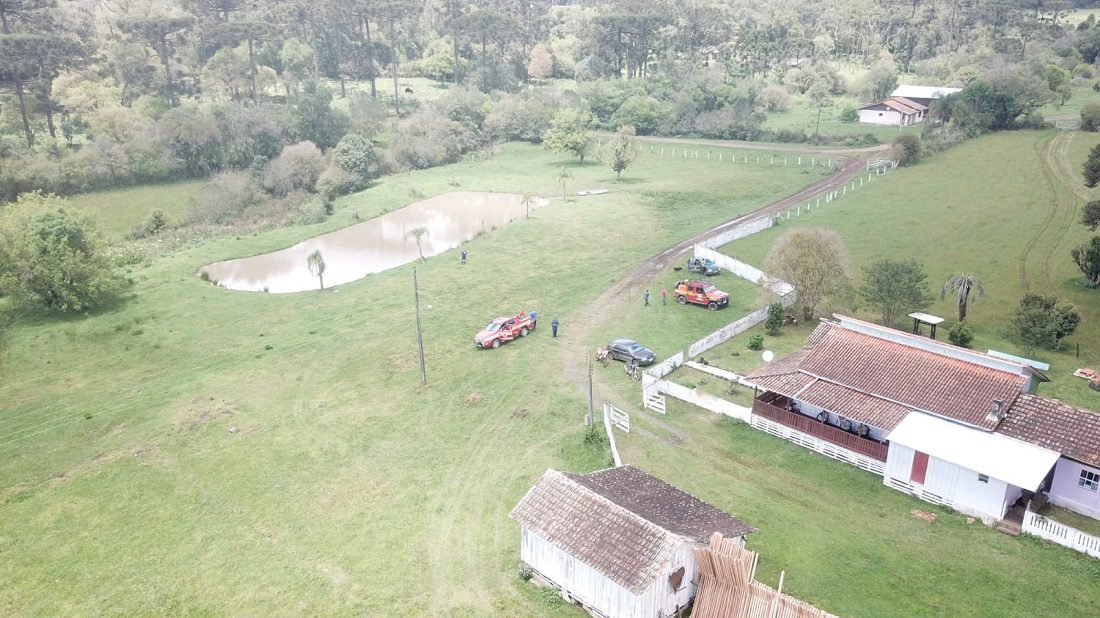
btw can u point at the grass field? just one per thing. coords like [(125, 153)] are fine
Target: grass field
[(346, 487), (983, 207), (117, 212), (802, 115)]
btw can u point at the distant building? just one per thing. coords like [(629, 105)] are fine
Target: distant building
[(907, 105), (895, 112), (618, 541)]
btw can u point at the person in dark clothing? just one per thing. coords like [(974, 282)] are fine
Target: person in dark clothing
[(645, 297), (462, 257), (554, 327)]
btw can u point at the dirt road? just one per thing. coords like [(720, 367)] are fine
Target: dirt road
[(610, 301)]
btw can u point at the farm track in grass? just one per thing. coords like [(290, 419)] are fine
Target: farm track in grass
[(598, 310), (1063, 200)]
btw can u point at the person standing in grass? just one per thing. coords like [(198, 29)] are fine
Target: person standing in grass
[(554, 327), (645, 297), (664, 296)]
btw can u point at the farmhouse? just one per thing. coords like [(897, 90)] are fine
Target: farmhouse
[(618, 541), (907, 105), (895, 111), (947, 424)]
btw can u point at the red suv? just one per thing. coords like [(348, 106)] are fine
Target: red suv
[(701, 293)]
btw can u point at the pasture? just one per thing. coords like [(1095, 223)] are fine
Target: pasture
[(344, 486)]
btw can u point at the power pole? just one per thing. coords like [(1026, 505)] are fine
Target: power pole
[(588, 419), (419, 335)]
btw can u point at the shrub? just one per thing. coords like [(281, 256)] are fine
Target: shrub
[(425, 139), (644, 113), (961, 334), (756, 342), (908, 149), (774, 98), (1090, 116), (774, 323), (849, 114), (297, 168), (227, 195)]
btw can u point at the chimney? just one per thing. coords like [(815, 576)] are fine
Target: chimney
[(996, 414)]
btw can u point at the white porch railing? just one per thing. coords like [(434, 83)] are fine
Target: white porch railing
[(1061, 534), (817, 444)]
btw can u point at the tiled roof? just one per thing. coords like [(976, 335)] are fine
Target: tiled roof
[(920, 107), (854, 404), (922, 379), (899, 106), (1058, 426), (622, 522)]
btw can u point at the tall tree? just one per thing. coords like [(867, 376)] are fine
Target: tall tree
[(895, 287), (568, 132), (961, 286), (398, 16), (158, 32), (1042, 321), (1087, 258), (12, 13), (316, 264), (1091, 169), (815, 263)]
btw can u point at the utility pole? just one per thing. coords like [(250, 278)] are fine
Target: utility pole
[(588, 419), (419, 335)]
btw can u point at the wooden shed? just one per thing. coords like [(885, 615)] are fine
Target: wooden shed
[(618, 541)]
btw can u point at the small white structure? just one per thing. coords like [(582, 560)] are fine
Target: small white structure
[(618, 541), (895, 112), (975, 472)]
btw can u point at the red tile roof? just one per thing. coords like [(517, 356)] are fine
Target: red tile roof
[(1058, 426), (863, 368), (921, 379), (621, 521)]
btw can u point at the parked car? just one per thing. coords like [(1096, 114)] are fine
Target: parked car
[(701, 293), (703, 266), (628, 349), (504, 329)]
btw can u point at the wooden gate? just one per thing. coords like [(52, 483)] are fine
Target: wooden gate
[(655, 401)]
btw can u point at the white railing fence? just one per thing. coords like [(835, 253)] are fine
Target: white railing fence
[(704, 400), (745, 229), (607, 408), (1037, 525), (666, 366)]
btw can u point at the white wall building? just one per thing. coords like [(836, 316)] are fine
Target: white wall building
[(618, 541)]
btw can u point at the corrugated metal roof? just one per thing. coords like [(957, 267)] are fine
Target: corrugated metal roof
[(1013, 461), (923, 92)]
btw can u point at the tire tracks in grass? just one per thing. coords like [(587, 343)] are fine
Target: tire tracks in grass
[(1058, 220)]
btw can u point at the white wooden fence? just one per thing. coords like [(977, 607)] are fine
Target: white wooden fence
[(607, 408), (728, 331), (817, 444), (704, 400), (1061, 534), (666, 367), (745, 229), (745, 271)]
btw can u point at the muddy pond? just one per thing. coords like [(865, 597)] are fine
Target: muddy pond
[(376, 245)]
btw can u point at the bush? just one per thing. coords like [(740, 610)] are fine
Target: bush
[(295, 169), (849, 114), (644, 113), (355, 154), (961, 334), (774, 323), (1090, 117), (774, 98), (226, 196), (756, 342), (908, 149), (425, 139)]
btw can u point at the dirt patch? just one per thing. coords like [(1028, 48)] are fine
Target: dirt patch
[(474, 399), (203, 410), (521, 413), (924, 515)]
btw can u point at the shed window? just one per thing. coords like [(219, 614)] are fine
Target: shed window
[(983, 478), (1089, 480)]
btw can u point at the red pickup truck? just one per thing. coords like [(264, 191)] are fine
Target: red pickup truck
[(504, 329), (701, 293)]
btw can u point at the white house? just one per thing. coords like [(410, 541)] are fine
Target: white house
[(895, 111), (618, 541), (947, 424)]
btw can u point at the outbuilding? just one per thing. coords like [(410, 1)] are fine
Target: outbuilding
[(618, 541)]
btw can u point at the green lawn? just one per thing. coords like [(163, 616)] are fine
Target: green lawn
[(847, 543), (119, 211), (346, 487), (983, 207), (802, 115)]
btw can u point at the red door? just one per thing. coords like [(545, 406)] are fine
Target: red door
[(920, 467)]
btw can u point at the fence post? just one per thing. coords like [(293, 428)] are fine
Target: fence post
[(799, 213), (799, 161), (819, 201), (719, 157), (813, 161)]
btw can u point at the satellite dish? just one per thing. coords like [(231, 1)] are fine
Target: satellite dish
[(768, 356)]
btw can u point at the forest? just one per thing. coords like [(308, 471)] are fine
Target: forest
[(306, 100)]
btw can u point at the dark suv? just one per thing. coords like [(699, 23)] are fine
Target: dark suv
[(703, 266)]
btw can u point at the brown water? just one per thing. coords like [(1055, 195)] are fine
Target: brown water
[(376, 245)]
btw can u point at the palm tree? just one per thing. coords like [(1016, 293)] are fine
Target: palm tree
[(563, 180), (316, 263), (526, 201), (961, 286), (417, 233)]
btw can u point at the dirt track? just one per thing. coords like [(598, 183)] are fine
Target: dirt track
[(608, 303)]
